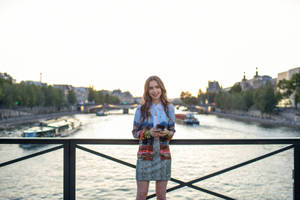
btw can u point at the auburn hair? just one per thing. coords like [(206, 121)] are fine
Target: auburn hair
[(147, 100)]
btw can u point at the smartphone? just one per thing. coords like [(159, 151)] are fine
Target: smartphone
[(160, 127)]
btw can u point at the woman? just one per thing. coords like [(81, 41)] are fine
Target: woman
[(154, 127)]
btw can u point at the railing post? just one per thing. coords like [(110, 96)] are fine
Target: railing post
[(69, 170), (296, 174)]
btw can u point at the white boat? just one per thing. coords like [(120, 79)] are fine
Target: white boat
[(53, 128), (188, 119), (39, 131), (101, 113), (64, 127)]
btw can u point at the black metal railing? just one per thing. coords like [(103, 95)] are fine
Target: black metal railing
[(69, 146)]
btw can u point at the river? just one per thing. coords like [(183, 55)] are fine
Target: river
[(97, 178)]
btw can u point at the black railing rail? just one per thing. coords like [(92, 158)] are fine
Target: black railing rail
[(69, 146)]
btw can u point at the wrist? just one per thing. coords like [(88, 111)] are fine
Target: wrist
[(169, 133)]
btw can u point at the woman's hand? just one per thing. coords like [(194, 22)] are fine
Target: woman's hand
[(163, 133), (154, 132)]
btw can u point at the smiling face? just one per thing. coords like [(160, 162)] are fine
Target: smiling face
[(154, 91)]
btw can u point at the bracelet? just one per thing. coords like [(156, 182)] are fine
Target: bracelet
[(169, 133), (147, 134)]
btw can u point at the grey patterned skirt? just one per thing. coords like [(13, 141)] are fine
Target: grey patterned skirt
[(153, 170)]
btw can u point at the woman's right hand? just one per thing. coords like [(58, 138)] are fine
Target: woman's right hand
[(154, 132)]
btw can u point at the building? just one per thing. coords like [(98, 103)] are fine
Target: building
[(213, 86), (6, 76), (256, 82), (64, 88), (34, 83), (287, 75), (125, 97), (81, 94)]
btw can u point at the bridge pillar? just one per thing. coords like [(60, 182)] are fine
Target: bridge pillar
[(125, 110)]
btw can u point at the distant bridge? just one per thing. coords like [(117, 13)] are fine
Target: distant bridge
[(105, 107), (202, 108)]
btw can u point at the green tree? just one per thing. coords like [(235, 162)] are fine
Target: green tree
[(290, 87), (297, 98), (236, 88), (49, 95), (113, 99), (9, 98), (188, 99), (201, 96), (61, 100), (248, 99), (99, 97), (211, 96), (1, 94), (265, 99), (40, 96), (92, 94), (235, 101), (222, 100), (72, 99), (54, 97)]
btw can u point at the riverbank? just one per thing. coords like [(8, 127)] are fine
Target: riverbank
[(278, 120), (26, 119)]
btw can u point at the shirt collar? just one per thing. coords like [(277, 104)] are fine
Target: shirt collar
[(156, 105)]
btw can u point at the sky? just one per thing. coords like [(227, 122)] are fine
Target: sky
[(118, 44)]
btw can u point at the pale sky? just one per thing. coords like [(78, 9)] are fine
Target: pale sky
[(115, 44)]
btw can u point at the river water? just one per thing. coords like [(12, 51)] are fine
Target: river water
[(97, 178)]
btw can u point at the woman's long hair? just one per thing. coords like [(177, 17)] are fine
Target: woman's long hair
[(147, 100)]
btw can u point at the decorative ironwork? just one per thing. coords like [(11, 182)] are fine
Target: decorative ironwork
[(70, 144)]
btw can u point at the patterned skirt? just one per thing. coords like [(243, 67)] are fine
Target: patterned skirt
[(153, 170)]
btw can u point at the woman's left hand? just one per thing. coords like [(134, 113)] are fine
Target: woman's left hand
[(163, 133)]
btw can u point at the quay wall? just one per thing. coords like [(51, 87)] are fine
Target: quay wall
[(285, 118), (10, 118)]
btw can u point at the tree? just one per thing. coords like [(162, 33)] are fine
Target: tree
[(297, 98), (188, 99), (248, 99), (290, 87), (54, 97), (265, 99), (40, 96), (9, 98), (6, 92), (211, 96), (92, 94), (72, 99), (222, 100), (99, 97), (236, 88), (1, 94), (230, 101), (201, 96)]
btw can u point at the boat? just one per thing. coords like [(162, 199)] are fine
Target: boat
[(53, 128), (63, 127), (188, 119), (37, 131), (101, 113)]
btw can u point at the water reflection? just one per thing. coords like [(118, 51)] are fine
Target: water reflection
[(98, 178)]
